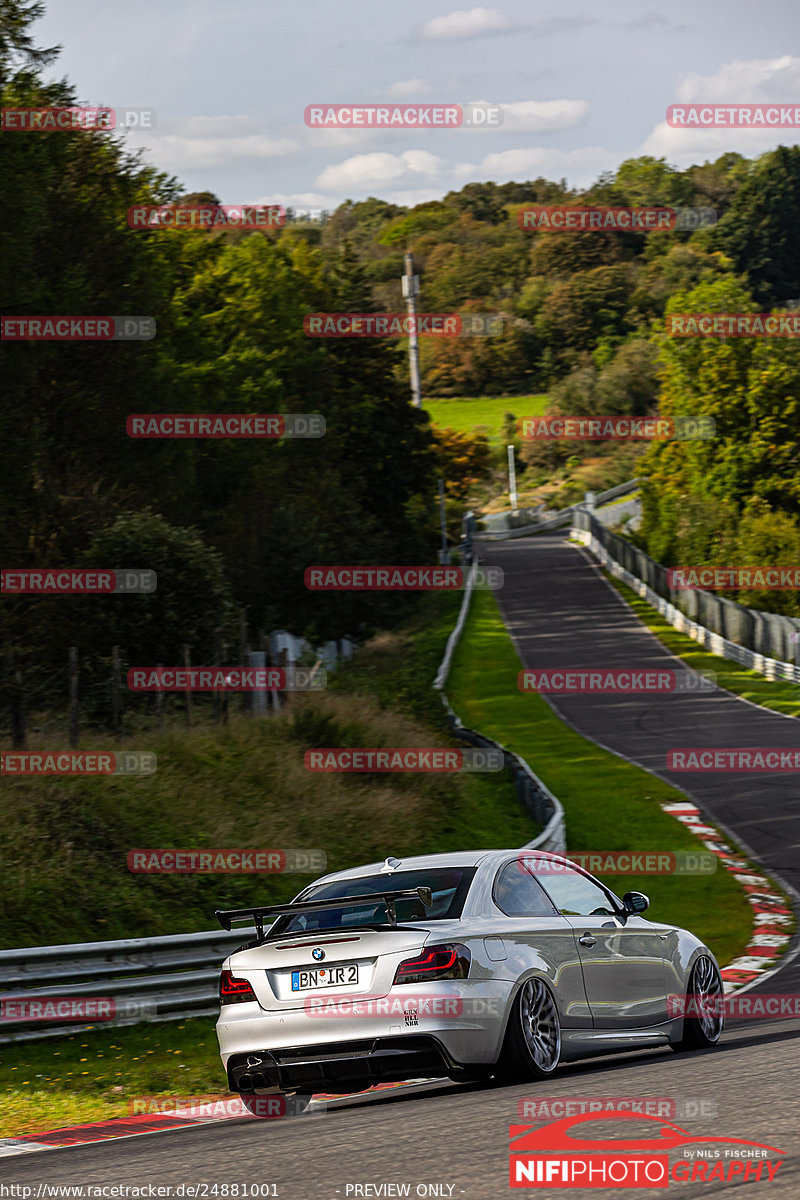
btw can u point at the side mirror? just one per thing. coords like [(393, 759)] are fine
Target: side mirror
[(635, 902)]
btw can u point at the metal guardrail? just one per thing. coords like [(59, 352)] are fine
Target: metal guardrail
[(537, 799), (518, 525), (176, 976), (615, 514), (621, 489), (144, 979), (585, 530)]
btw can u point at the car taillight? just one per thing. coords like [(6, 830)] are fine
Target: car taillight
[(435, 962), (233, 990)]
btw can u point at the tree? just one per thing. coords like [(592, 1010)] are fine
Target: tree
[(192, 601), (65, 249), (20, 58), (627, 383), (716, 183), (761, 229), (584, 308), (464, 460), (648, 181), (698, 490)]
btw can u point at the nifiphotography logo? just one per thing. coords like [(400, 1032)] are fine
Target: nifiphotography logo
[(552, 1156)]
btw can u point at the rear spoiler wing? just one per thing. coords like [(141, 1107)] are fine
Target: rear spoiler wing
[(226, 917)]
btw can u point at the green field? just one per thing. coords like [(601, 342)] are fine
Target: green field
[(484, 413)]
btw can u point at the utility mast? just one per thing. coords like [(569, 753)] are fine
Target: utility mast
[(410, 283)]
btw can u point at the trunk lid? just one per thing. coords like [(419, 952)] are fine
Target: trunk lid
[(360, 962)]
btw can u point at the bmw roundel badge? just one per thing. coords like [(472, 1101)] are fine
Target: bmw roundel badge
[(318, 953)]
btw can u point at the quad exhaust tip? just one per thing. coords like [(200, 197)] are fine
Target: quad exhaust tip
[(248, 1082)]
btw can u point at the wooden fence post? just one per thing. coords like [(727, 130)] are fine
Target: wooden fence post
[(74, 701), (16, 701), (116, 693), (244, 659), (224, 694), (247, 697), (187, 662), (218, 694)]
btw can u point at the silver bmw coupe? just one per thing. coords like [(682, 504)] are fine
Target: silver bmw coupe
[(490, 963)]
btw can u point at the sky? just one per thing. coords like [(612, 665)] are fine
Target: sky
[(583, 86)]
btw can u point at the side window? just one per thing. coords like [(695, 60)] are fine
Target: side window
[(518, 894), (576, 896)]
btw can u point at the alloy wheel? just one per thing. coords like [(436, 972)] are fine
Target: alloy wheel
[(540, 1025), (708, 994)]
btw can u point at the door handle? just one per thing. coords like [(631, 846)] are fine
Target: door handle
[(587, 940)]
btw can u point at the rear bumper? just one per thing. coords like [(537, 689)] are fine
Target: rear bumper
[(348, 1066), (461, 1027)]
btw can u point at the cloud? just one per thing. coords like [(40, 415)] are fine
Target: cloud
[(464, 23), (343, 140), (220, 126), (484, 22), (540, 116), (685, 147), (409, 197), (745, 81), (418, 173), (521, 116), (582, 164), (407, 89), (368, 172), (187, 154), (304, 200), (651, 20), (206, 142)]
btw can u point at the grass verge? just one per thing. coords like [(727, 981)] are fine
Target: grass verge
[(66, 840), (240, 785), (779, 695), (610, 804), (97, 1075)]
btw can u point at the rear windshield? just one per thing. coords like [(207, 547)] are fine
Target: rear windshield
[(449, 886)]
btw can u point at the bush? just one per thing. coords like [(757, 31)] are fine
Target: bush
[(191, 605)]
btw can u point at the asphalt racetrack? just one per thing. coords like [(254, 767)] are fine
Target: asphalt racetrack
[(449, 1140), (453, 1136), (562, 612)]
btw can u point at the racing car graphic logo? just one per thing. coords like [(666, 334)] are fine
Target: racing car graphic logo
[(551, 1156)]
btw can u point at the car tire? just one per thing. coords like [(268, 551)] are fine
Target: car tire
[(701, 1031), (265, 1107), (532, 1043)]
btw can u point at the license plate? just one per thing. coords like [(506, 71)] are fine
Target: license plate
[(322, 977)]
